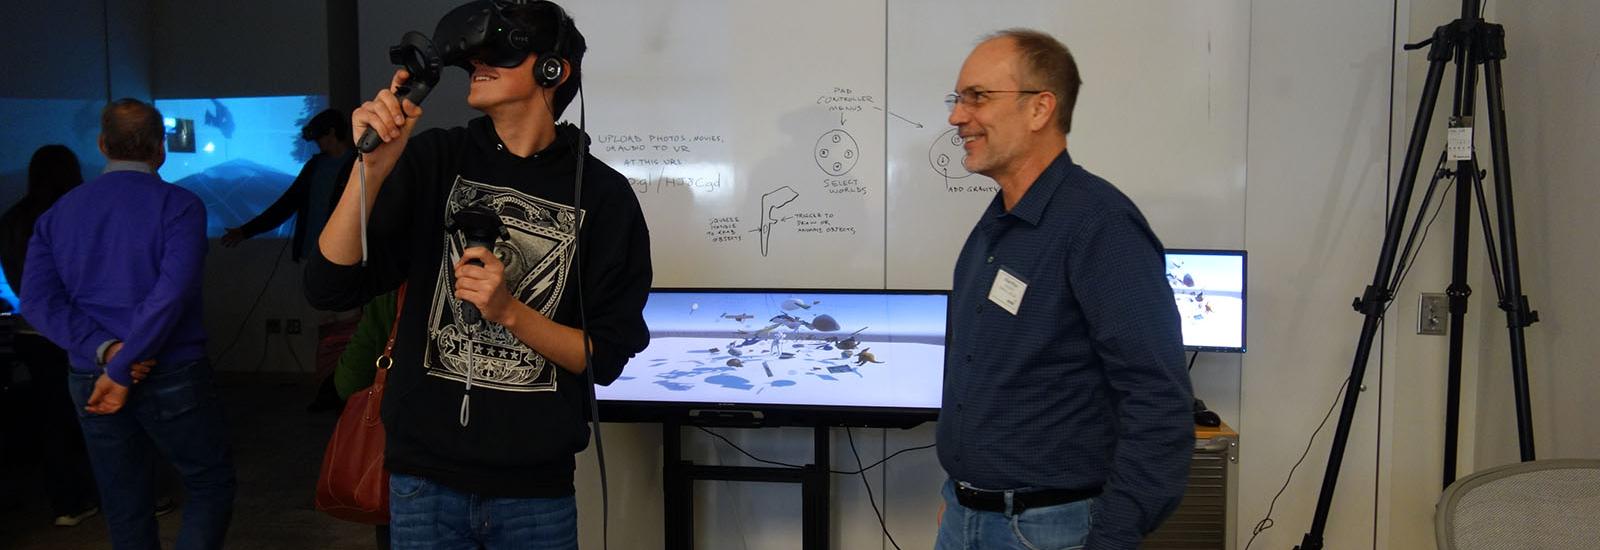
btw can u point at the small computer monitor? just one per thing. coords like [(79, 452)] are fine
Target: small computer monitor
[(1209, 289), (795, 357)]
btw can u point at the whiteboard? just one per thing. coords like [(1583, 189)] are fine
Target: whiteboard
[(1161, 115), (752, 132), (796, 144)]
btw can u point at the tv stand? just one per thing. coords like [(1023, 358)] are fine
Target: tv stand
[(679, 475)]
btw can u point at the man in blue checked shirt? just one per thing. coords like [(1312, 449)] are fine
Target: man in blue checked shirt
[(1067, 409), (113, 276)]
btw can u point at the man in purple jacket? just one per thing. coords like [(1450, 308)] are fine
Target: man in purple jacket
[(114, 275)]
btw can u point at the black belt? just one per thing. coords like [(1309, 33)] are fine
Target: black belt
[(995, 501)]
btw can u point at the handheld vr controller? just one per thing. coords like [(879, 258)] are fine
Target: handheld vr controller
[(416, 52)]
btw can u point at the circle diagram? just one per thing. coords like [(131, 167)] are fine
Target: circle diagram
[(947, 156), (837, 152)]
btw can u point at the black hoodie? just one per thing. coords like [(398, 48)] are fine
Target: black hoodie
[(526, 416)]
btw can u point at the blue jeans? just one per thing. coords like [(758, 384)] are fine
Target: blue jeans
[(176, 412), (425, 515), (1059, 527)]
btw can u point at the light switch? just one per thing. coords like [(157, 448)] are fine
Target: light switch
[(1433, 313)]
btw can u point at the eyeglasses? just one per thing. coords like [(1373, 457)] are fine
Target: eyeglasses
[(974, 98)]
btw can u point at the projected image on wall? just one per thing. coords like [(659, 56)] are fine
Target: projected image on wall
[(789, 348), (239, 153)]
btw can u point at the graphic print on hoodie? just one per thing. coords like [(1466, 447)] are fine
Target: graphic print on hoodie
[(537, 255)]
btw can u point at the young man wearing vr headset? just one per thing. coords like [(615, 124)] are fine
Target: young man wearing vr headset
[(484, 418)]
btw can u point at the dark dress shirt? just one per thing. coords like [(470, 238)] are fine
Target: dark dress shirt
[(1085, 385)]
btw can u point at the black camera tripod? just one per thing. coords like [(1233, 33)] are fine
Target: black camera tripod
[(1469, 41)]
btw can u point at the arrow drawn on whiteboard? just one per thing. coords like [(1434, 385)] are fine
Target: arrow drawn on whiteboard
[(841, 118), (891, 113)]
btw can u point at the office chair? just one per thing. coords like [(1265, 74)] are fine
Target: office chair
[(1544, 504)]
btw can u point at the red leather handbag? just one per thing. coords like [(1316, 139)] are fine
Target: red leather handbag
[(353, 484)]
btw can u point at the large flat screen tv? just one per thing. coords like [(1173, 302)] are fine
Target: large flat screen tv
[(1209, 288), (785, 357)]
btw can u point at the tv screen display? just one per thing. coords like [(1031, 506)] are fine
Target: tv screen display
[(835, 353), (1209, 288)]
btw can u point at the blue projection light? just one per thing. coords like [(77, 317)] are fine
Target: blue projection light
[(238, 154)]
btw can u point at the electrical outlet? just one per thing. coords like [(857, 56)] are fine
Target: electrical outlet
[(273, 326), (291, 326), (1432, 312)]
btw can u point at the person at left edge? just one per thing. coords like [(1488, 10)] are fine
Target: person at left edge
[(67, 479)]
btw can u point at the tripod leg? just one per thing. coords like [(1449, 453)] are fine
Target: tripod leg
[(1459, 289), (1515, 304), (1375, 300), (1488, 228)]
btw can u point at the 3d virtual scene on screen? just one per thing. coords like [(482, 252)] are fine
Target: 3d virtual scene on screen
[(828, 349), (1209, 291)]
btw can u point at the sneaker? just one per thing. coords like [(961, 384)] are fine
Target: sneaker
[(73, 520), (165, 506)]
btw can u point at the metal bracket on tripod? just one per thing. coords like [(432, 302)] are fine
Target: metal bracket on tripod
[(1519, 315), (1373, 301), (1447, 36)]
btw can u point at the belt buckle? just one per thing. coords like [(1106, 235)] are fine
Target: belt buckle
[(972, 488), (981, 499), (968, 491)]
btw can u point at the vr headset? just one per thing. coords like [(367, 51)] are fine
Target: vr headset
[(477, 30), (480, 30)]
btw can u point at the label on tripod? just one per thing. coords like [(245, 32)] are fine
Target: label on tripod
[(1458, 139)]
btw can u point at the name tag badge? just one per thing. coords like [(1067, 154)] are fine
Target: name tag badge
[(1007, 290)]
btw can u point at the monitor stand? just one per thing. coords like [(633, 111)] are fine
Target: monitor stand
[(678, 477)]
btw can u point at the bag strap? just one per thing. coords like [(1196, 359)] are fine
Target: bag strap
[(370, 415), (386, 360)]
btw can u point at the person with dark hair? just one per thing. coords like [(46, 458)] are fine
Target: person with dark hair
[(1066, 417), (484, 416), (310, 198), (113, 277), (52, 172)]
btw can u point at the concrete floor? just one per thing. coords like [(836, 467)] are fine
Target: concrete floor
[(277, 448)]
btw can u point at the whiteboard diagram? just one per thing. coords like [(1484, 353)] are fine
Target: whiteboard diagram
[(948, 157), (836, 152), (770, 203)]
